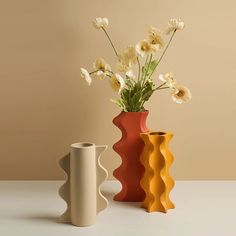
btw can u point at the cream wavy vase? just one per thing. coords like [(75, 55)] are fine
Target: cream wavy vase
[(156, 182), (81, 191)]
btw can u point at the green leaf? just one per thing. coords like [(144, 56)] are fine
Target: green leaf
[(117, 102), (128, 82), (133, 98), (149, 68), (152, 67)]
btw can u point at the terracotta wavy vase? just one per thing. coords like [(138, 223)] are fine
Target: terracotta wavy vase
[(156, 182), (130, 146)]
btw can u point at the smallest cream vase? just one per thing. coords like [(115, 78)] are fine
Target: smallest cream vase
[(81, 191), (134, 80)]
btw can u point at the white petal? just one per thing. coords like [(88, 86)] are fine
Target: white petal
[(105, 22), (121, 81), (99, 22), (122, 67), (99, 73), (179, 101), (86, 76), (130, 74), (162, 78)]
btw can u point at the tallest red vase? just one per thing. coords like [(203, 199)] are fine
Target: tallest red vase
[(130, 146)]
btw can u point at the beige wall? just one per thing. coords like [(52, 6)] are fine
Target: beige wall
[(45, 106)]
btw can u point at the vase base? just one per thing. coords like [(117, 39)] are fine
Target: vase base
[(120, 197), (158, 208)]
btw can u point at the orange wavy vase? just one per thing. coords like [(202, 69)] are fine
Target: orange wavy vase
[(130, 146), (156, 182)]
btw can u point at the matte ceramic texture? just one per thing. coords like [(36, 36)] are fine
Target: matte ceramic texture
[(82, 188), (130, 146), (156, 182)]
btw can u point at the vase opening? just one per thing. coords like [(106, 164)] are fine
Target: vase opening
[(82, 145), (157, 133)]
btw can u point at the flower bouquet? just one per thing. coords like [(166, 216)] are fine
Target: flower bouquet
[(134, 91)]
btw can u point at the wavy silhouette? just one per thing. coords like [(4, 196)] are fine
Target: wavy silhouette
[(81, 191), (156, 182), (64, 190), (129, 147), (102, 175)]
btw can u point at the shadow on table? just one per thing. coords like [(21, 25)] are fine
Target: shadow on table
[(43, 218), (110, 195)]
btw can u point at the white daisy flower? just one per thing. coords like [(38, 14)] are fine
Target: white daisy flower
[(121, 67), (102, 68), (117, 83), (175, 24), (143, 48), (128, 56), (126, 59), (168, 78), (155, 39), (100, 22), (181, 95)]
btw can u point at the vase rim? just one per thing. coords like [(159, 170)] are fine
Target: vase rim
[(160, 133), (146, 111), (82, 145)]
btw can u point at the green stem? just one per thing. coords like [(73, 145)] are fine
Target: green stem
[(141, 105), (110, 41), (149, 63), (139, 68), (131, 79), (144, 66), (100, 70), (160, 86), (93, 72), (167, 46)]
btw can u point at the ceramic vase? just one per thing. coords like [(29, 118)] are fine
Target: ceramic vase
[(156, 182), (81, 191), (130, 146)]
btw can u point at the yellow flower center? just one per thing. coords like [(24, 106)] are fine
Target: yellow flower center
[(181, 93), (117, 83), (102, 68), (156, 41), (145, 47)]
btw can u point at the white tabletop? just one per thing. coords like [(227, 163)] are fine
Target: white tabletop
[(203, 208)]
